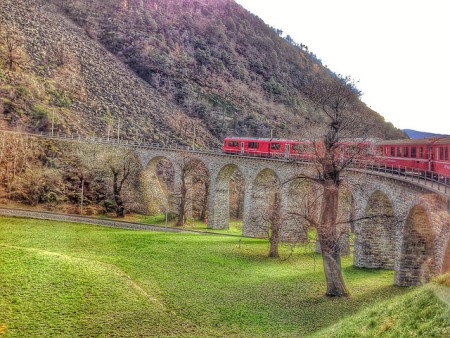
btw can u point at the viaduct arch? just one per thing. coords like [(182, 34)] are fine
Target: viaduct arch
[(398, 225)]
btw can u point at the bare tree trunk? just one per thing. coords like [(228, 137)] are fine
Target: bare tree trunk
[(182, 206), (276, 227), (274, 241), (329, 241), (204, 211), (120, 207)]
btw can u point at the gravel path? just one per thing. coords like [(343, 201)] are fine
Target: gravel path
[(90, 220)]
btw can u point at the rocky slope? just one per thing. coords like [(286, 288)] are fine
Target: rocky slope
[(102, 92)]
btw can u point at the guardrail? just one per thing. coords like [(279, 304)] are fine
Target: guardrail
[(414, 175), (425, 177)]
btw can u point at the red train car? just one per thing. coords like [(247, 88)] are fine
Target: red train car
[(265, 147), (411, 153), (440, 157), (428, 154)]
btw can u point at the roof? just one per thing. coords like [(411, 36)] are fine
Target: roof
[(417, 141), (240, 138)]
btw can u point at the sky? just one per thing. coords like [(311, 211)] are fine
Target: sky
[(398, 50)]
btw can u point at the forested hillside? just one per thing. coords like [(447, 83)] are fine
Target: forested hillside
[(215, 60), (180, 71)]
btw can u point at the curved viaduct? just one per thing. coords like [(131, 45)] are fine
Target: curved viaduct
[(398, 224)]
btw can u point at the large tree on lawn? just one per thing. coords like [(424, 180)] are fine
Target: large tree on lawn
[(335, 99)]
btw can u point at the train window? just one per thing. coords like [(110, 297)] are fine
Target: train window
[(421, 152), (446, 154), (253, 145), (275, 146), (413, 152), (392, 151), (406, 151), (303, 147), (441, 153), (233, 143), (399, 151)]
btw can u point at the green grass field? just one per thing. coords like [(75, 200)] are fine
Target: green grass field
[(72, 280), (235, 226)]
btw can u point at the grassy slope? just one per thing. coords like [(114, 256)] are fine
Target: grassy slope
[(418, 314), (61, 279)]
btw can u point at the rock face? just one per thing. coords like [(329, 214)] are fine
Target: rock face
[(106, 95)]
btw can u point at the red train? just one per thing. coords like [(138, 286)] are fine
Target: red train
[(428, 155)]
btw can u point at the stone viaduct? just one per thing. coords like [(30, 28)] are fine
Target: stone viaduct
[(411, 237)]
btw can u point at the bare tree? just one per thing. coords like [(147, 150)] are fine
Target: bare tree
[(117, 167), (237, 185), (271, 222), (186, 169), (336, 98), (281, 224), (12, 42)]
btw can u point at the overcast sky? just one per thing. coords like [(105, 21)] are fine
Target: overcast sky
[(398, 50)]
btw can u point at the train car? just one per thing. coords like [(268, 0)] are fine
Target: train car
[(357, 149), (246, 146), (427, 155), (265, 147), (440, 157), (408, 153)]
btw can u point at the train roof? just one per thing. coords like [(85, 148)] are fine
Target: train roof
[(266, 139), (241, 138), (416, 141)]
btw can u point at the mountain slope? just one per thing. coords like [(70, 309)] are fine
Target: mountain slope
[(172, 71), (216, 61), (59, 61)]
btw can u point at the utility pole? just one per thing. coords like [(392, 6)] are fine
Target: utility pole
[(167, 208), (82, 196), (118, 130), (53, 120)]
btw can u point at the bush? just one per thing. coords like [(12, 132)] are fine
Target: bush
[(61, 99), (109, 205)]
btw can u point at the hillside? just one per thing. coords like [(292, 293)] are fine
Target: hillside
[(171, 71), (61, 74)]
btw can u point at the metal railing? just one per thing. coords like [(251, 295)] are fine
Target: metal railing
[(414, 175)]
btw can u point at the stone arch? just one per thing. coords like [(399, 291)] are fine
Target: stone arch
[(376, 233), (262, 194), (416, 262), (301, 202), (219, 217), (191, 188), (156, 191)]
